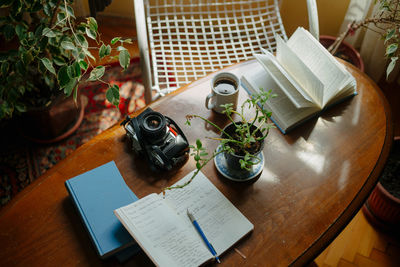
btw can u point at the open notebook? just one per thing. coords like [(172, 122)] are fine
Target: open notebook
[(160, 225)]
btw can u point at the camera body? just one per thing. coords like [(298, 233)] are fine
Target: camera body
[(158, 138)]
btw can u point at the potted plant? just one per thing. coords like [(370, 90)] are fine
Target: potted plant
[(382, 207), (387, 19), (240, 142), (47, 54), (344, 51)]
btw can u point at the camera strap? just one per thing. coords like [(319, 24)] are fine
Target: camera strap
[(177, 127), (136, 128)]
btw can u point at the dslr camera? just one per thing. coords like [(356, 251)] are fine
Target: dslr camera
[(158, 138)]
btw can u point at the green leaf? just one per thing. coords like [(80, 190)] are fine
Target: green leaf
[(391, 66), (82, 41), (121, 48), (17, 8), (112, 94), (96, 73), (48, 64), (87, 53), (102, 51), (67, 45), (108, 51), (390, 34), (129, 41), (83, 65), (390, 49), (47, 10), (70, 11), (21, 31), (70, 86), (124, 58), (91, 34), (77, 68), (59, 61), (61, 18), (4, 68), (74, 70), (62, 77), (38, 31), (20, 107), (8, 32), (114, 40), (27, 57), (48, 33), (198, 143), (92, 24)]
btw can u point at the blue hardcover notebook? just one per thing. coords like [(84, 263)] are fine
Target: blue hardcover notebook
[(96, 194)]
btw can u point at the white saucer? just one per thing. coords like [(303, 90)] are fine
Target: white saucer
[(237, 175)]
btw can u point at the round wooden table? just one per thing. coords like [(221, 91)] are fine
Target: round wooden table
[(314, 181)]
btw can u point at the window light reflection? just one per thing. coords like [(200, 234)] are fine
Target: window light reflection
[(313, 160)]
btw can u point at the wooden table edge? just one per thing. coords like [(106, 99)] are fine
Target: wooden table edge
[(347, 215)]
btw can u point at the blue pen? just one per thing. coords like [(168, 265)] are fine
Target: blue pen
[(203, 236)]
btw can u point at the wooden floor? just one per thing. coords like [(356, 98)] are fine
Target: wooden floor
[(359, 244)]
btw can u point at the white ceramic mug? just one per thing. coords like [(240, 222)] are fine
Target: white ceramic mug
[(224, 90)]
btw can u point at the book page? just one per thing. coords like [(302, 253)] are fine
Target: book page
[(331, 73), (284, 114), (222, 223), (299, 71), (162, 234), (288, 85)]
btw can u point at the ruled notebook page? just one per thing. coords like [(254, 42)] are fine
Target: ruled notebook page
[(162, 234), (222, 223)]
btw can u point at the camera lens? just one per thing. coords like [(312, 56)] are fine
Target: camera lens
[(154, 126)]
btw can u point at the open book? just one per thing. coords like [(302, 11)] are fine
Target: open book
[(305, 77), (161, 227)]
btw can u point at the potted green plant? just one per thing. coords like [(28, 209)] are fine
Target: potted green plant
[(47, 54), (241, 141), (387, 19)]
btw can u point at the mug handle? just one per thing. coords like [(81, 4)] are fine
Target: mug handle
[(208, 98)]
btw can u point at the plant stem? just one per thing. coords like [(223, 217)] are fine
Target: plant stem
[(194, 174), (213, 124)]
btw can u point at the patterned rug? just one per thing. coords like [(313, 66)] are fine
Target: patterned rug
[(22, 161)]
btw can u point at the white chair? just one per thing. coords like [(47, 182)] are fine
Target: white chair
[(182, 40)]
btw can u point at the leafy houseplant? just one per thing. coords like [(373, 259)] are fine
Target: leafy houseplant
[(387, 20), (245, 140), (48, 53)]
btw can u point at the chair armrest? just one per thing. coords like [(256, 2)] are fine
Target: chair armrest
[(141, 31), (313, 18)]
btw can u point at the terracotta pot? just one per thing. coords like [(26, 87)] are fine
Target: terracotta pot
[(233, 160), (382, 208), (52, 123), (345, 51)]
